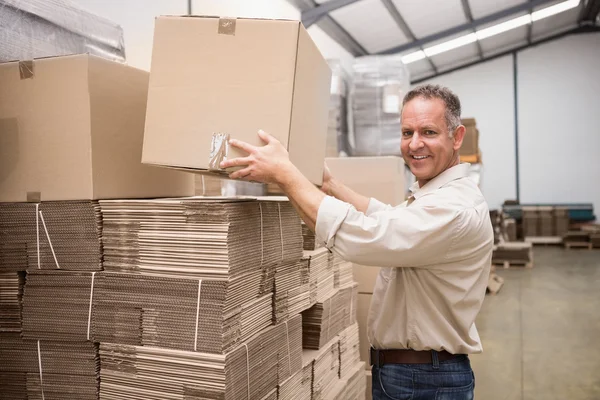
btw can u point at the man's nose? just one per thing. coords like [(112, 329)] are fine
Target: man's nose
[(415, 142)]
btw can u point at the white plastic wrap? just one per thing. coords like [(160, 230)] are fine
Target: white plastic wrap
[(379, 84), (44, 28), (337, 130)]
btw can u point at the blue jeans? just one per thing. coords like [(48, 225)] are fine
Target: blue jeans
[(440, 380)]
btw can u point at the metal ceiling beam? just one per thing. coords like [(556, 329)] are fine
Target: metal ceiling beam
[(397, 17), (468, 26), (581, 29), (529, 27), (312, 15), (333, 29), (469, 16)]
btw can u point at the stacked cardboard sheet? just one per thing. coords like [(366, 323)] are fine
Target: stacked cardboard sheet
[(310, 239), (321, 277), (290, 349), (323, 321), (271, 396), (353, 387), (57, 305), (148, 373), (595, 239), (66, 233), (342, 271), (349, 350), (577, 237), (11, 292), (298, 386), (177, 313), (48, 369), (292, 292), (326, 369)]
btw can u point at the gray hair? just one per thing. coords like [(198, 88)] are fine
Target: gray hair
[(450, 99)]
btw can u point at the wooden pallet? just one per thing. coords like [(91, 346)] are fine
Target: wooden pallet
[(513, 264), (578, 245)]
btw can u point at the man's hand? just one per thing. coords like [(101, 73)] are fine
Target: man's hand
[(327, 180), (267, 164)]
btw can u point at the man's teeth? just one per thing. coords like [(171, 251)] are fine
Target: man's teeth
[(419, 157)]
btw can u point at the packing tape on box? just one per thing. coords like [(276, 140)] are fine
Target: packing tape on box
[(247, 368), (26, 69), (280, 229), (262, 245), (49, 241), (90, 308), (197, 314), (219, 148), (227, 26), (287, 334), (40, 366)]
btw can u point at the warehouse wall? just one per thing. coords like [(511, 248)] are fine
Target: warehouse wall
[(486, 93), (559, 138), (559, 121), (137, 19)]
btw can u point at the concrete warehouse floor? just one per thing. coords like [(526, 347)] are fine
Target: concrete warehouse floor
[(541, 332)]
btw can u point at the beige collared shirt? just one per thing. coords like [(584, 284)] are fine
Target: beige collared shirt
[(436, 253)]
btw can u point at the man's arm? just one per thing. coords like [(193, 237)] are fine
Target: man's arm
[(337, 189)]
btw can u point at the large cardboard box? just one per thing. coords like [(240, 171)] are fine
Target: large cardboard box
[(213, 77), (470, 144), (380, 177), (71, 128)]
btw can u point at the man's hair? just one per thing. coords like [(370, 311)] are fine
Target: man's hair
[(451, 101)]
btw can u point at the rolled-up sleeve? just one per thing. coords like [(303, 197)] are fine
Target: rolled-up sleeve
[(393, 237), (376, 206)]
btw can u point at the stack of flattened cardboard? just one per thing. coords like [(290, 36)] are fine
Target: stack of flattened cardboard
[(67, 234), (321, 276), (325, 370), (323, 321), (561, 221), (354, 386), (343, 269), (299, 385), (271, 396), (68, 370), (248, 371), (57, 305), (11, 294), (310, 239), (290, 350), (349, 350), (292, 292), (177, 313), (531, 222)]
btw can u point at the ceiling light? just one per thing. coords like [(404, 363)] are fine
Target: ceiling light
[(491, 31), (450, 44), (412, 57), (503, 27), (555, 9)]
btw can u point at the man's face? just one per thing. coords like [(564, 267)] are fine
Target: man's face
[(426, 145)]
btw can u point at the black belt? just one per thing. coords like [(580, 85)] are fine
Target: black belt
[(382, 357)]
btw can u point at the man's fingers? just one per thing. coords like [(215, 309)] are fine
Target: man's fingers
[(248, 148), (265, 137), (242, 173), (235, 162)]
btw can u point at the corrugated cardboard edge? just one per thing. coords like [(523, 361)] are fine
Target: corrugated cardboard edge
[(294, 86)]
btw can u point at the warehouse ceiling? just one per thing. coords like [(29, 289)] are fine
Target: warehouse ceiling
[(437, 36)]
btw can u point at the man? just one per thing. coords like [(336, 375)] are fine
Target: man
[(435, 249)]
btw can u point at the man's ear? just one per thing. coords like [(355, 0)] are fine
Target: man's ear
[(459, 135)]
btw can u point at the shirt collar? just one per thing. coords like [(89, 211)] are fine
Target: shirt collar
[(451, 174)]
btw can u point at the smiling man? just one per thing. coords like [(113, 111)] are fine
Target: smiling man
[(435, 249)]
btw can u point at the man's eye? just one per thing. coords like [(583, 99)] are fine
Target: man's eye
[(407, 134), (429, 132)]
